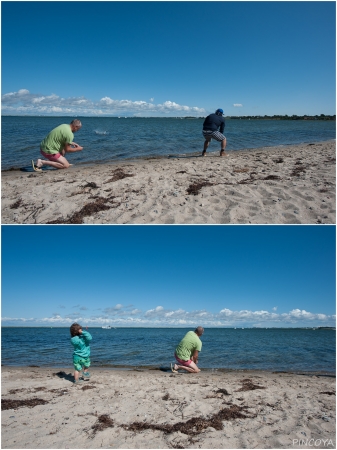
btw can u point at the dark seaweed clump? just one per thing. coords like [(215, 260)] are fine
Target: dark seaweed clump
[(87, 210), (15, 404), (297, 171), (84, 388), (195, 425), (103, 422), (17, 204), (248, 385), (119, 174), (194, 188), (222, 391)]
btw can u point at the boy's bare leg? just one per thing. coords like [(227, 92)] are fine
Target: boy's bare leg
[(76, 375)]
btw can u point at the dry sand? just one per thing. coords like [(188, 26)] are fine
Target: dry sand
[(157, 409), (276, 185)]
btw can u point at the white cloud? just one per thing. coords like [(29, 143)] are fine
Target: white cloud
[(237, 105), (24, 102), (120, 315)]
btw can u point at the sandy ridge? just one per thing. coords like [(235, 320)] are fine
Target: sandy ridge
[(277, 185), (123, 409)]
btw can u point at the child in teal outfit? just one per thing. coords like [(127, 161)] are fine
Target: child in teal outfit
[(80, 339)]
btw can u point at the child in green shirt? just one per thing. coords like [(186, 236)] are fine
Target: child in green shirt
[(80, 339)]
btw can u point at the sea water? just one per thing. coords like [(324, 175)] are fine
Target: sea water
[(273, 349), (112, 139)]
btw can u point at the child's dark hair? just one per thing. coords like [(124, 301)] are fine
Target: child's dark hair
[(74, 329)]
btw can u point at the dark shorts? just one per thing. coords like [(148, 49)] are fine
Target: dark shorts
[(209, 135)]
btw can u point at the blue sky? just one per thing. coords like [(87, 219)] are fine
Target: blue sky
[(168, 275), (168, 58)]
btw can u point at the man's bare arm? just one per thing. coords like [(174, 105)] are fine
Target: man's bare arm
[(73, 147), (195, 356)]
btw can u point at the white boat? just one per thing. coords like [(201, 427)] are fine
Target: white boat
[(107, 327)]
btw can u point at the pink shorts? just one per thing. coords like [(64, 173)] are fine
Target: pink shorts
[(183, 363), (51, 157)]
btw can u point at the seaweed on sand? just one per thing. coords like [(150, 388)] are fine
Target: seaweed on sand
[(90, 184), (194, 188), (297, 171), (272, 177), (222, 391), (195, 425), (84, 388), (103, 422), (15, 391), (248, 385), (119, 174), (219, 391), (17, 204), (15, 404), (87, 210)]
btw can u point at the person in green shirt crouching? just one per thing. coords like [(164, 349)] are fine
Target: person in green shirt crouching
[(56, 144), (187, 351)]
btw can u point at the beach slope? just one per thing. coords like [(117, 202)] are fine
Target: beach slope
[(42, 408), (277, 185)]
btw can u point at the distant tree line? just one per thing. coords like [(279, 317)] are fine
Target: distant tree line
[(286, 117)]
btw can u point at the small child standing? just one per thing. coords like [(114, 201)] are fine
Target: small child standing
[(80, 339)]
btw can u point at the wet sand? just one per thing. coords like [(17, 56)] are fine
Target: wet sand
[(276, 185), (42, 408)]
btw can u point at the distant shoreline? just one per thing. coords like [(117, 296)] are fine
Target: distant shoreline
[(247, 117), (181, 328)]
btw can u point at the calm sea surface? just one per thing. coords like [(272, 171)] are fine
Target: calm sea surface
[(112, 139), (275, 349)]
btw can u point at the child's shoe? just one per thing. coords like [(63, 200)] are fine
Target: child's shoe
[(78, 381), (86, 374)]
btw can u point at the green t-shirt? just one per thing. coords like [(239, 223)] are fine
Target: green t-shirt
[(188, 345), (81, 344), (55, 141)]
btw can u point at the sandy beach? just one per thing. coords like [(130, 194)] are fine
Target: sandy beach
[(42, 408), (277, 185)]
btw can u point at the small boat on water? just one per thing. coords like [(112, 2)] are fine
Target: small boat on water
[(107, 327)]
